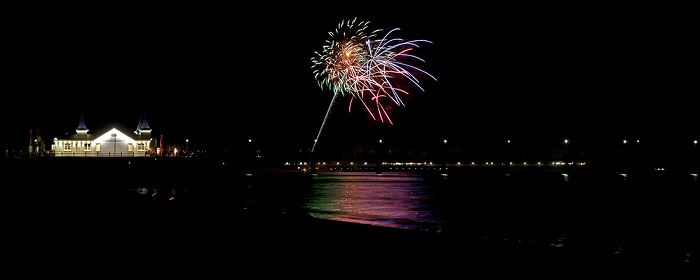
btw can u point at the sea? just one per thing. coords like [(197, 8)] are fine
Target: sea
[(602, 215)]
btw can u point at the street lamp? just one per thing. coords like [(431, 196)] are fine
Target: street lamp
[(187, 144)]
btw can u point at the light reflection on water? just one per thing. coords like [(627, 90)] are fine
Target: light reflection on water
[(392, 200)]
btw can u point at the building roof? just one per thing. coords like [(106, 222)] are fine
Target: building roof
[(81, 126), (81, 132), (116, 133), (143, 123)]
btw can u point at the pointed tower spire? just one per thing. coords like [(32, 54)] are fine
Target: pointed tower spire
[(81, 127), (138, 127), (144, 123), (143, 130)]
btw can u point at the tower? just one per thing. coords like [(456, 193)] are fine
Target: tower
[(143, 130), (82, 129)]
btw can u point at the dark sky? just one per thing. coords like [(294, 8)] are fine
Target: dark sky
[(222, 75)]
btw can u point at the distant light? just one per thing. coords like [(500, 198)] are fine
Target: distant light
[(250, 140), (566, 141), (187, 140), (508, 141), (637, 140), (380, 140), (695, 142), (624, 141), (445, 141)]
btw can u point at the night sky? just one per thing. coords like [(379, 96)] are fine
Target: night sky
[(221, 75)]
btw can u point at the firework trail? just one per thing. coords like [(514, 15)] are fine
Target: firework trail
[(355, 63), (324, 122)]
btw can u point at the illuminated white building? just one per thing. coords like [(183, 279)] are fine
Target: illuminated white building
[(110, 142)]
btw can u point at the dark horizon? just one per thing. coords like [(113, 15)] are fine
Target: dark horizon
[(528, 73)]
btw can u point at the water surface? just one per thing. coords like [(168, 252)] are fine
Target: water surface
[(402, 200)]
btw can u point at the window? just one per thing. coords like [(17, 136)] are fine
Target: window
[(141, 147), (66, 147), (130, 147), (97, 147), (87, 147)]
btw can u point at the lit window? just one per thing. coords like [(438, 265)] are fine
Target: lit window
[(141, 147), (66, 147), (97, 147), (87, 147), (130, 147)]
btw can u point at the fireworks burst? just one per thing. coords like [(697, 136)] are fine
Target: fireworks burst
[(358, 64), (354, 62)]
